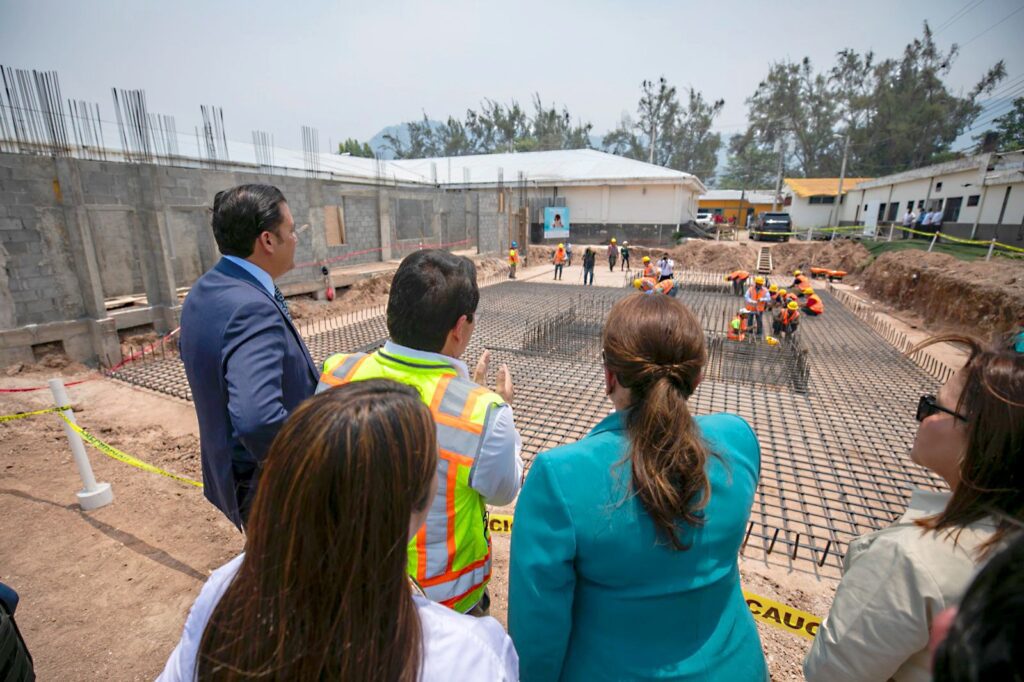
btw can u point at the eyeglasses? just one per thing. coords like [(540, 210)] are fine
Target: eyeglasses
[(928, 405)]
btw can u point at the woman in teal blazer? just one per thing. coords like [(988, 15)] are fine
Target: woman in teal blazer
[(625, 544)]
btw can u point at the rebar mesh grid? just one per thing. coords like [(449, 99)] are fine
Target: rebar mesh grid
[(833, 409)]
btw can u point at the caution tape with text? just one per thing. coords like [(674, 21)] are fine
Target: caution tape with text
[(765, 610)]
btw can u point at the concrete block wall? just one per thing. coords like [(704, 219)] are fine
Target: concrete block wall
[(36, 283), (492, 226)]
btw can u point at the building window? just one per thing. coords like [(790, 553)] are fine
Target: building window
[(910, 205), (334, 225), (952, 212), (938, 186), (822, 200), (973, 199)]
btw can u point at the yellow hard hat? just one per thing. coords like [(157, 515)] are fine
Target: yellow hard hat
[(808, 291), (792, 305), (782, 292), (511, 252), (647, 259), (726, 277), (613, 240), (796, 272), (759, 280), (637, 283), (561, 246), (773, 288), (771, 341)]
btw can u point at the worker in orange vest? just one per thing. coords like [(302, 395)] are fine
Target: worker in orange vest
[(773, 291), (800, 281), (813, 305), (757, 300), (513, 260), (559, 260), (644, 285), (787, 320), (649, 270), (738, 279), (738, 327), (667, 287)]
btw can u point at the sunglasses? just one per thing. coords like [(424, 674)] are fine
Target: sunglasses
[(928, 405)]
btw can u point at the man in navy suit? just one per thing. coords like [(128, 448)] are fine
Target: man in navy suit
[(245, 361)]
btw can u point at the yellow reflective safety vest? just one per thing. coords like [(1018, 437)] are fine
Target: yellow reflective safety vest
[(450, 557)]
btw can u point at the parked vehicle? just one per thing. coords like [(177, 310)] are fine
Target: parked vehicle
[(705, 219), (768, 223)]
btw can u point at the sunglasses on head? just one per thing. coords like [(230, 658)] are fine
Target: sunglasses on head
[(928, 405)]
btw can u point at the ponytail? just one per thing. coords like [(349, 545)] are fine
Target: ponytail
[(655, 347)]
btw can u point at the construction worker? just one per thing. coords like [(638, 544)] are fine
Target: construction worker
[(773, 291), (624, 252), (738, 279), (513, 260), (568, 254), (649, 270), (613, 255), (800, 281), (787, 320), (431, 309), (786, 296), (757, 299), (813, 305), (559, 260), (667, 287), (644, 285), (738, 327)]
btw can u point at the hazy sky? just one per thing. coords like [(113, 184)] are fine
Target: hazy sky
[(350, 69)]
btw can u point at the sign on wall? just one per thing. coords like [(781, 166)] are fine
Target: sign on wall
[(556, 222)]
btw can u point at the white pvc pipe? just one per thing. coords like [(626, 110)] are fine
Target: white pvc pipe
[(93, 495)]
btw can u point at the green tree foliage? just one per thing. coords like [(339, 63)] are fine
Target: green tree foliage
[(496, 127), (898, 112), (751, 164), (668, 132), (1009, 128), (351, 146)]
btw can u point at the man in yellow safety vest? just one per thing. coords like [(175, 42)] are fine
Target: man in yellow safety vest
[(430, 316)]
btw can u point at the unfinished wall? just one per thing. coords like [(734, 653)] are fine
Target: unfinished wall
[(77, 233)]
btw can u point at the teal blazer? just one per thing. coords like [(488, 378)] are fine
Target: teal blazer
[(595, 594)]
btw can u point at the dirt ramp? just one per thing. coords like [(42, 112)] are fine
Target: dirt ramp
[(976, 297), (834, 255)]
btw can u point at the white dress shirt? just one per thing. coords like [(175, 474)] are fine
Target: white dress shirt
[(895, 581), (455, 647), (497, 471)]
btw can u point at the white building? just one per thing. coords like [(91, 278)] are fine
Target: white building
[(607, 195), (811, 202), (980, 197)]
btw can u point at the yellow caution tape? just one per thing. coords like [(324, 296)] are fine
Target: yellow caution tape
[(22, 415), (961, 240), (765, 610), (114, 453), (782, 616)]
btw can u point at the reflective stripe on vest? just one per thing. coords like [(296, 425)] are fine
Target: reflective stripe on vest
[(450, 557)]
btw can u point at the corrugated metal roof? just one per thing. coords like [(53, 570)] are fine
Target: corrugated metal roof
[(562, 167), (829, 187), (754, 196)]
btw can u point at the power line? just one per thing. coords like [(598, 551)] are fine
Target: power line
[(957, 16), (1019, 9)]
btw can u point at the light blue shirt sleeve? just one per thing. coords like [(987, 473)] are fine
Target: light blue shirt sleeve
[(497, 472)]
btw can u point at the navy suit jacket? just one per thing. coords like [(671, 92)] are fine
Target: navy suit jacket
[(248, 369)]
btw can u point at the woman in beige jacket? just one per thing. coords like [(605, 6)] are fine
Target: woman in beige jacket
[(898, 579)]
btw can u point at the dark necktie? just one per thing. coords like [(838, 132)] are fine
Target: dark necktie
[(279, 297)]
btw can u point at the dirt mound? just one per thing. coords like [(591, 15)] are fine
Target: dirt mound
[(836, 255), (696, 254), (950, 293)]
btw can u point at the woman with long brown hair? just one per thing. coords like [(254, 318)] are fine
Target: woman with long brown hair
[(896, 580), (625, 544), (321, 591)]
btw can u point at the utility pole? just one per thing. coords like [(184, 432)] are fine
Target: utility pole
[(842, 175), (778, 177)]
